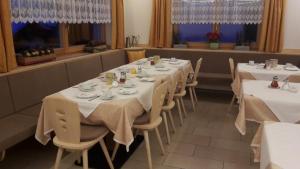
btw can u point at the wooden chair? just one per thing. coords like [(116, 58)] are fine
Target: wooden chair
[(70, 134), (150, 120), (154, 119), (169, 105), (191, 85), (179, 97), (232, 72)]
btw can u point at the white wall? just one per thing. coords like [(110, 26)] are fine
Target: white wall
[(292, 25), (138, 19)]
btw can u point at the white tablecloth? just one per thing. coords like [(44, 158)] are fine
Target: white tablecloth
[(86, 107), (280, 145), (262, 74), (285, 105), (144, 89)]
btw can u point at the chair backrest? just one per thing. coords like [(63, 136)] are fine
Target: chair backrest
[(231, 64), (197, 69), (64, 117), (172, 87), (158, 99), (183, 79)]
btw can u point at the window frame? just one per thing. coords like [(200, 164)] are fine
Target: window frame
[(65, 47), (223, 45), (64, 40)]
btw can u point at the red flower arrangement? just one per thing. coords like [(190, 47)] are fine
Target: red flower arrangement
[(213, 36)]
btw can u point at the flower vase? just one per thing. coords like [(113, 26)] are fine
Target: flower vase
[(214, 45)]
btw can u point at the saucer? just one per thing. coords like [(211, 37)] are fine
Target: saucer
[(82, 95), (127, 91), (291, 68), (106, 97), (162, 69), (149, 79), (128, 85), (174, 63)]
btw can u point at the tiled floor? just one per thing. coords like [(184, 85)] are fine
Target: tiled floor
[(207, 140)]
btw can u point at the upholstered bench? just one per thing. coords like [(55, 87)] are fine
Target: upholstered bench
[(22, 91)]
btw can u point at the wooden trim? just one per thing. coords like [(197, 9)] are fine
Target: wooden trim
[(292, 51), (63, 33)]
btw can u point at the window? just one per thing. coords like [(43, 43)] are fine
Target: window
[(35, 36), (81, 34), (192, 33), (50, 35), (240, 34), (65, 25)]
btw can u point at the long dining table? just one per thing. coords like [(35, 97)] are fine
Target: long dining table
[(119, 113)]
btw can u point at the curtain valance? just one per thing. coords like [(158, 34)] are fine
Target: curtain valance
[(217, 11), (62, 11)]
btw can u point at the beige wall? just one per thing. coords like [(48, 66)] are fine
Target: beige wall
[(138, 19), (292, 25)]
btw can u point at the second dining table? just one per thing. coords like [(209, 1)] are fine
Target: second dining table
[(125, 105), (258, 72), (259, 102)]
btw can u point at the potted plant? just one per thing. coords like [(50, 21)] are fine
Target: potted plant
[(213, 40)]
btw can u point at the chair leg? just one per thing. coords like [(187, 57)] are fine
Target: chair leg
[(195, 95), (146, 137), (231, 104), (78, 159), (113, 156), (166, 127), (172, 121), (192, 98), (85, 159), (104, 149), (136, 133), (2, 155), (58, 157), (183, 107), (159, 141), (179, 111)]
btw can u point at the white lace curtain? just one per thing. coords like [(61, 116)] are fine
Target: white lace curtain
[(62, 11), (217, 11)]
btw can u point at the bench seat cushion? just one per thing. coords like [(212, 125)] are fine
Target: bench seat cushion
[(16, 128), (83, 68), (113, 59), (5, 98), (33, 111), (30, 87)]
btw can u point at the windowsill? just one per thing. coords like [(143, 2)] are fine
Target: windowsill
[(288, 52)]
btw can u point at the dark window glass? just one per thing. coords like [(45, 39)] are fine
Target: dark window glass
[(192, 33), (35, 36), (238, 33), (80, 34)]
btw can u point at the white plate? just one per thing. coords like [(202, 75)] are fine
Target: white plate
[(175, 63), (83, 95), (107, 98), (159, 66), (127, 91), (294, 68), (162, 69), (147, 79), (86, 90), (102, 78), (128, 85), (147, 67)]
